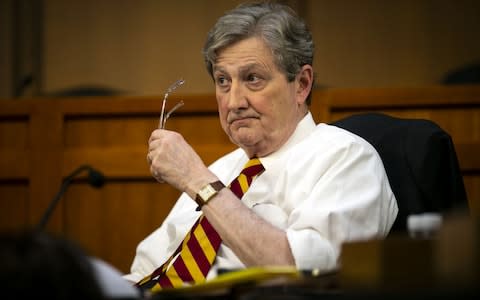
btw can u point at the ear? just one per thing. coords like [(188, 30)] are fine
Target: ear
[(304, 83)]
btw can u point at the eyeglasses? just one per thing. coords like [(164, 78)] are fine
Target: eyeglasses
[(164, 116)]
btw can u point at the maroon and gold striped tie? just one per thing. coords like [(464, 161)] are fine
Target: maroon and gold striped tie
[(196, 254)]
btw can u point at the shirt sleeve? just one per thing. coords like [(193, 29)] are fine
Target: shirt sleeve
[(346, 197)]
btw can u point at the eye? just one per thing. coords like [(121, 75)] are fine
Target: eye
[(255, 82), (253, 78), (220, 80)]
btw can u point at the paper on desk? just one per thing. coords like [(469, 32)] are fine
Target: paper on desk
[(255, 275)]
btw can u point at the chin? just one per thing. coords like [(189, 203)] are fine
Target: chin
[(245, 140)]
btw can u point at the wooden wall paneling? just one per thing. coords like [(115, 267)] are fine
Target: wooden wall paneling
[(111, 135), (110, 222), (14, 166), (14, 155), (319, 105), (116, 145), (337, 99), (13, 204), (46, 150), (472, 185)]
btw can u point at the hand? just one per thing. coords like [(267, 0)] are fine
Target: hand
[(173, 160)]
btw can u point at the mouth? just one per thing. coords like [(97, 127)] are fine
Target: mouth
[(241, 120), (239, 116)]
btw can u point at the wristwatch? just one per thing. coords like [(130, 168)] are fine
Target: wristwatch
[(208, 192)]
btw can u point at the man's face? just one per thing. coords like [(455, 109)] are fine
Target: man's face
[(259, 109)]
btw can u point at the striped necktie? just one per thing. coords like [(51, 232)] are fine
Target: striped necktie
[(196, 254)]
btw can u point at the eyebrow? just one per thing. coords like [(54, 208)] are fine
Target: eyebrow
[(241, 70)]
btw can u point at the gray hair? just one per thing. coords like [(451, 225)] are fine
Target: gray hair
[(278, 25)]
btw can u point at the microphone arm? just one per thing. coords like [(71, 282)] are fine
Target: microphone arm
[(95, 178)]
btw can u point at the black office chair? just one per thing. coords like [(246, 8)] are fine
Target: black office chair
[(420, 161)]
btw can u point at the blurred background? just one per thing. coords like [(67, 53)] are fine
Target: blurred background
[(58, 47)]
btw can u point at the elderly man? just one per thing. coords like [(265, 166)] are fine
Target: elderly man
[(308, 187)]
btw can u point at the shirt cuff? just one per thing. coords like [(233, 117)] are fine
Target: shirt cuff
[(311, 251)]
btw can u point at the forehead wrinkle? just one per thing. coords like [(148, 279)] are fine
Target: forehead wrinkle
[(249, 67), (243, 69)]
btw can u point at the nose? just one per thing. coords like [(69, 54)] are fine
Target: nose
[(237, 96)]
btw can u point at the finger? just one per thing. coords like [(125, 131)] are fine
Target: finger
[(154, 135), (157, 176), (153, 144)]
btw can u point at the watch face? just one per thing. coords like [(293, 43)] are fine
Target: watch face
[(207, 192)]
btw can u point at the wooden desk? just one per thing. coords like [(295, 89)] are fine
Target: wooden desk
[(398, 267), (450, 261)]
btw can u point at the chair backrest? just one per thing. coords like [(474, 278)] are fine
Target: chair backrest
[(420, 161)]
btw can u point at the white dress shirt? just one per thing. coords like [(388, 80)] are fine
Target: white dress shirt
[(325, 186)]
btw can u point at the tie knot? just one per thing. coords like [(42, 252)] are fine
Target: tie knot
[(253, 167)]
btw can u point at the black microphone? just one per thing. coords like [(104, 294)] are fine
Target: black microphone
[(95, 179)]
